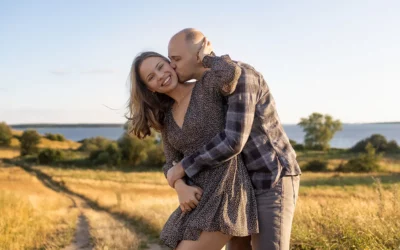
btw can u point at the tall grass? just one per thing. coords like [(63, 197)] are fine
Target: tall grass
[(32, 216), (334, 211)]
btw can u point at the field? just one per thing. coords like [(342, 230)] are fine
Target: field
[(61, 207)]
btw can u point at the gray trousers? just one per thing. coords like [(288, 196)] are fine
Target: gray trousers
[(275, 215)]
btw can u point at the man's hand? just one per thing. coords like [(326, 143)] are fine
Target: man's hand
[(189, 196), (206, 49), (175, 173)]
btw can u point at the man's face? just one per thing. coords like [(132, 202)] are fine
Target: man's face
[(183, 60)]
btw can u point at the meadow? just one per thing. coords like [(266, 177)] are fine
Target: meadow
[(42, 207)]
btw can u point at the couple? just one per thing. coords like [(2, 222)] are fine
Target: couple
[(227, 155)]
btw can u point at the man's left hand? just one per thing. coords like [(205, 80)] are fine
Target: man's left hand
[(175, 173)]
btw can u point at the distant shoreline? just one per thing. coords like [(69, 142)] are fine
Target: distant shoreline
[(75, 125), (117, 125)]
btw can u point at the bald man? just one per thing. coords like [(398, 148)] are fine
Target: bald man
[(253, 129)]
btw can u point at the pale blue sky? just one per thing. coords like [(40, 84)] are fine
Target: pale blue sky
[(68, 61)]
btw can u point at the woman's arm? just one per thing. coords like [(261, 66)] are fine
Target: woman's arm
[(171, 154), (224, 73)]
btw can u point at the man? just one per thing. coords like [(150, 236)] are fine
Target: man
[(253, 129)]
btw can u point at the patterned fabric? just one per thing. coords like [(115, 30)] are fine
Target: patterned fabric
[(253, 128), (228, 202)]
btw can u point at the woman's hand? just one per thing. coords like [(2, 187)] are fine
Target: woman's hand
[(206, 49), (189, 196)]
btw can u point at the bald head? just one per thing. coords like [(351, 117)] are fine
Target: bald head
[(183, 49), (192, 37)]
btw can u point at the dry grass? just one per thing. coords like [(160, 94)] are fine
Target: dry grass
[(32, 216), (8, 153), (339, 211)]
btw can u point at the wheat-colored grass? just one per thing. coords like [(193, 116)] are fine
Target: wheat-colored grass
[(334, 211), (32, 216)]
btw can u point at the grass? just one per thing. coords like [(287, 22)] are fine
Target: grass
[(334, 211), (127, 210), (32, 216)]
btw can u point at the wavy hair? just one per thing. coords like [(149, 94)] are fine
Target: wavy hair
[(146, 109)]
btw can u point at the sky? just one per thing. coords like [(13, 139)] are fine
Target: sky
[(69, 61)]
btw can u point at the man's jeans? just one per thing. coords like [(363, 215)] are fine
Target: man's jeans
[(275, 215)]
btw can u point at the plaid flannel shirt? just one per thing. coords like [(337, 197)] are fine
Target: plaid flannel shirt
[(252, 128)]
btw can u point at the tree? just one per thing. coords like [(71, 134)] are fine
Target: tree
[(5, 134), (29, 141), (319, 130)]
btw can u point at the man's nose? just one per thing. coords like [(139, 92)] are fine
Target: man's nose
[(173, 65)]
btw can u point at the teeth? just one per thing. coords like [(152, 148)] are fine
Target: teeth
[(166, 80)]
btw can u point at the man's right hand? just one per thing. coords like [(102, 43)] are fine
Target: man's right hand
[(189, 196)]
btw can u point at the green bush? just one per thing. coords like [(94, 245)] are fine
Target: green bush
[(94, 144), (5, 134), (365, 162), (155, 156), (29, 142), (133, 150), (316, 166), (378, 142), (49, 156), (54, 137), (110, 156), (392, 147)]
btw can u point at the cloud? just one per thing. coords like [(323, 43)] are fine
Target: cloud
[(97, 71)]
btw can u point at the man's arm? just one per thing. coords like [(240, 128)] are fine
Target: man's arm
[(239, 121)]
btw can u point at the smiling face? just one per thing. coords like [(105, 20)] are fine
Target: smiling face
[(158, 75)]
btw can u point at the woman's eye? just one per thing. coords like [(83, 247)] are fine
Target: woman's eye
[(160, 67)]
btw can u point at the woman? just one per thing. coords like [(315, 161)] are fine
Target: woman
[(188, 116)]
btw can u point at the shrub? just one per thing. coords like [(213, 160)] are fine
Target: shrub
[(94, 144), (49, 156), (133, 150), (110, 156), (392, 147), (316, 166), (365, 162), (5, 134), (29, 142), (378, 142), (54, 137), (155, 156)]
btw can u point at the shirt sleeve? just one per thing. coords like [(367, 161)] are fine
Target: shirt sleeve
[(223, 74), (239, 122), (171, 154)]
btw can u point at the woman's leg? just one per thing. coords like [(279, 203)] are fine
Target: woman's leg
[(239, 243), (207, 240)]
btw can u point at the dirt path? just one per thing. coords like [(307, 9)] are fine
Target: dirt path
[(97, 227), (82, 235)]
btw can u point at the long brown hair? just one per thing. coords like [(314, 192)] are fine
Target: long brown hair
[(147, 109)]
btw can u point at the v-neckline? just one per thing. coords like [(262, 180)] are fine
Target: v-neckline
[(187, 110)]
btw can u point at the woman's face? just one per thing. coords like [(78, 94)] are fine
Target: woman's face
[(158, 75)]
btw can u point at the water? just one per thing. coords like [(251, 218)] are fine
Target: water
[(350, 135)]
